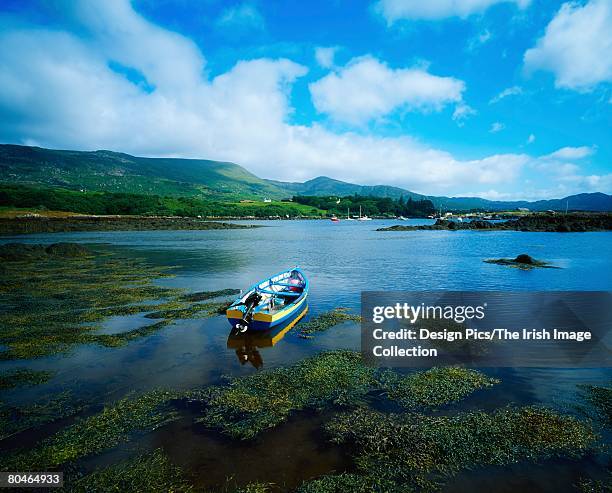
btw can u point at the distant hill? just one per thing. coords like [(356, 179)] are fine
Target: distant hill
[(323, 185), (117, 172)]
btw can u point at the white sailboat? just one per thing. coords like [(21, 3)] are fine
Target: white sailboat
[(363, 218), (348, 215)]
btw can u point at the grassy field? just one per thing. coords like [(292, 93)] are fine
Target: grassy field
[(303, 209)]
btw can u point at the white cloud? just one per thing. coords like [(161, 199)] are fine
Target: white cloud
[(496, 127), (478, 40), (57, 90), (395, 10), (324, 55), (569, 153), (577, 46), (510, 91), (366, 89), (242, 16), (462, 112), (531, 139)]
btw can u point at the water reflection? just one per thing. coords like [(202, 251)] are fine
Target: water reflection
[(247, 343)]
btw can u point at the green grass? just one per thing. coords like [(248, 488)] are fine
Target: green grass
[(306, 210)]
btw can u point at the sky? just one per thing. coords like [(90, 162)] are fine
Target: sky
[(503, 99)]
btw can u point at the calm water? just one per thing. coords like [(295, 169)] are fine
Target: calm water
[(341, 260)]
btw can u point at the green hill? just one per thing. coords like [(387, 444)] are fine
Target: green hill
[(116, 172), (322, 186), (203, 179)]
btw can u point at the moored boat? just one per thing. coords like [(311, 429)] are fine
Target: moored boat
[(268, 303)]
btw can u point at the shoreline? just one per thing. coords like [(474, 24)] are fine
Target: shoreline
[(62, 224), (566, 223)]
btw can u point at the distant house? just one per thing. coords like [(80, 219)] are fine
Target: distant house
[(267, 201)]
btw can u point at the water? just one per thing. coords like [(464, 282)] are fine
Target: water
[(341, 260)]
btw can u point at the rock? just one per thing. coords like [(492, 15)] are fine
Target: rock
[(523, 258)]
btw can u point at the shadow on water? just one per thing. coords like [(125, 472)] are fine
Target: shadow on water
[(248, 343), (293, 452)]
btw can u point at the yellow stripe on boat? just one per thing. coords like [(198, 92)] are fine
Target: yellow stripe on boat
[(234, 314)]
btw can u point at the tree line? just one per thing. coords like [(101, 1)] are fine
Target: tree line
[(371, 206)]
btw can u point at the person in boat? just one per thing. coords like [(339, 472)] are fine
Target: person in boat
[(295, 283)]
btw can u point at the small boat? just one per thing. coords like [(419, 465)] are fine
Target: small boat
[(334, 219), (363, 218), (402, 218), (268, 303), (348, 215)]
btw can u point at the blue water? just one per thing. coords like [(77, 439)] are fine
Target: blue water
[(341, 260)]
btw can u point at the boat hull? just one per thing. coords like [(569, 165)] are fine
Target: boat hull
[(265, 319)]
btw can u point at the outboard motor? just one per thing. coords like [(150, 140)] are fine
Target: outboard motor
[(250, 303)]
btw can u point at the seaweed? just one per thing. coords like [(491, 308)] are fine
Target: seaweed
[(251, 404), (23, 377), (51, 304), (416, 451), (434, 387), (343, 482), (256, 487), (325, 321), (150, 472), (113, 425), (208, 295), (122, 338), (196, 310), (15, 419), (590, 485), (48, 305), (597, 403)]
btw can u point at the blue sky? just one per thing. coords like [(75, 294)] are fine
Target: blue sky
[(504, 99)]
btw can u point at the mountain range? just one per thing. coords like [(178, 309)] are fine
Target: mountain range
[(118, 172)]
